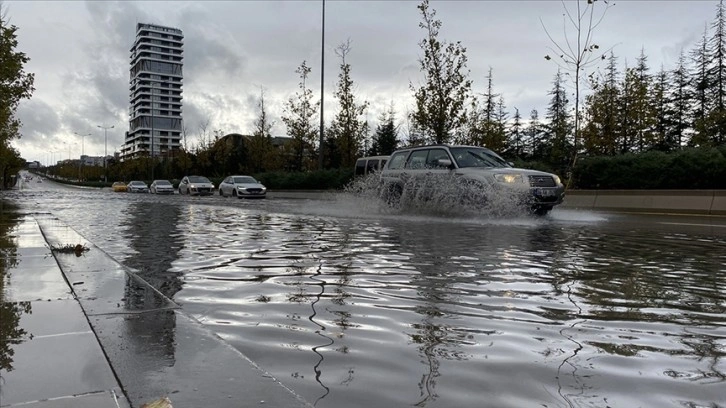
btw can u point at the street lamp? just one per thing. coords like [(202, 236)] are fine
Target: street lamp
[(105, 148), (80, 162)]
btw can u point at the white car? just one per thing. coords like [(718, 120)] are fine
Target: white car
[(242, 187), (196, 185), (161, 187), (137, 186)]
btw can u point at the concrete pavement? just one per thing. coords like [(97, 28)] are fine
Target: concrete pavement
[(84, 331)]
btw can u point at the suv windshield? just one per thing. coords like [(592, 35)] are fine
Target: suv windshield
[(477, 157), (198, 179)]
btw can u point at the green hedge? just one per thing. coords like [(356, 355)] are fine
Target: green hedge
[(692, 168), (312, 180)]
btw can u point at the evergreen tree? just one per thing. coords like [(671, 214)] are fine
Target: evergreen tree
[(716, 74), (261, 152), (298, 117), (680, 107), (385, 140), (659, 100), (15, 85), (641, 104), (348, 129), (559, 129), (515, 136), (626, 114), (483, 126), (440, 103), (601, 112), (699, 88), (497, 139), (533, 135)]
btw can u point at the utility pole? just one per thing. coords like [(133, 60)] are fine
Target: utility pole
[(105, 149), (322, 88), (80, 162)]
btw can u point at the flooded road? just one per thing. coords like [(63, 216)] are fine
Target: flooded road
[(352, 305)]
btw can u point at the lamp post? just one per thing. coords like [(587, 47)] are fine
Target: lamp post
[(105, 149), (80, 162), (322, 88)]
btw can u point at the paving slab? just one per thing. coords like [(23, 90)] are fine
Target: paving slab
[(103, 399), (166, 353), (156, 349), (53, 366)]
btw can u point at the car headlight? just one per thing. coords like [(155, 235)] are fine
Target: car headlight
[(508, 178), (557, 179)]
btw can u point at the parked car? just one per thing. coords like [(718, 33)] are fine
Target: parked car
[(161, 187), (479, 175), (196, 185), (367, 165), (137, 186), (242, 187), (119, 186)]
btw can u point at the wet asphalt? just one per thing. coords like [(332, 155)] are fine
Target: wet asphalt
[(78, 329)]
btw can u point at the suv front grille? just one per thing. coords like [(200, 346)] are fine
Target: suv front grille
[(541, 181)]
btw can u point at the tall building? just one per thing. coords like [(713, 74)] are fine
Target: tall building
[(155, 92)]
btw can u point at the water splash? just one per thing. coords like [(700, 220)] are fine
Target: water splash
[(445, 195)]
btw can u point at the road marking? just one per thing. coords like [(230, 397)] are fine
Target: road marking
[(692, 224)]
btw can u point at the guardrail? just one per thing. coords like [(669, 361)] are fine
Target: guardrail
[(703, 202)]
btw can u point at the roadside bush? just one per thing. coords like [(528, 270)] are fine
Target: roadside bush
[(692, 168), (312, 180)]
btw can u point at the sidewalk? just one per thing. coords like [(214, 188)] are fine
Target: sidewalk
[(84, 331)]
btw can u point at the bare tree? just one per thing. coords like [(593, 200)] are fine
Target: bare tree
[(579, 52)]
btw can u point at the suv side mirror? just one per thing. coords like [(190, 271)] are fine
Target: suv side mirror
[(444, 163)]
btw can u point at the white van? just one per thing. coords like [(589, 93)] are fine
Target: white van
[(367, 165)]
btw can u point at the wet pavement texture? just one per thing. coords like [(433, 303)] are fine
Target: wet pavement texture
[(353, 305), (50, 356)]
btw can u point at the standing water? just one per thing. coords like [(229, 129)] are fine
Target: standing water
[(355, 304)]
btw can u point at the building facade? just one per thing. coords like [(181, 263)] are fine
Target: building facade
[(155, 93)]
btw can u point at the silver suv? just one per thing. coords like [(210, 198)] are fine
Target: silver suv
[(475, 175)]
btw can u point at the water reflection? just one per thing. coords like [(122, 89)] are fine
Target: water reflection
[(154, 241), (11, 334), (442, 311)]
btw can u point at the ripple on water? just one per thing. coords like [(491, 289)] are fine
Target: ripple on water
[(337, 298)]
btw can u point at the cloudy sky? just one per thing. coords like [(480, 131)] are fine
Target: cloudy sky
[(80, 56)]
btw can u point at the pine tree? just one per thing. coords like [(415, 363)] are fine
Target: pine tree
[(626, 113), (716, 117), (385, 140), (440, 103), (298, 117), (659, 101), (532, 135), (515, 136), (601, 112), (700, 86), (559, 129), (641, 104), (680, 107), (348, 129)]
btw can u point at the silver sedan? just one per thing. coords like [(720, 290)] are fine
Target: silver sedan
[(242, 187)]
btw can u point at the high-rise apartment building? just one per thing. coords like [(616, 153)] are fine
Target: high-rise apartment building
[(155, 92)]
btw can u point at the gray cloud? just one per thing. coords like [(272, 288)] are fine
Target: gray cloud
[(80, 54)]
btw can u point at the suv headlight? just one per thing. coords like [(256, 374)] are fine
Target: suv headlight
[(508, 178)]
